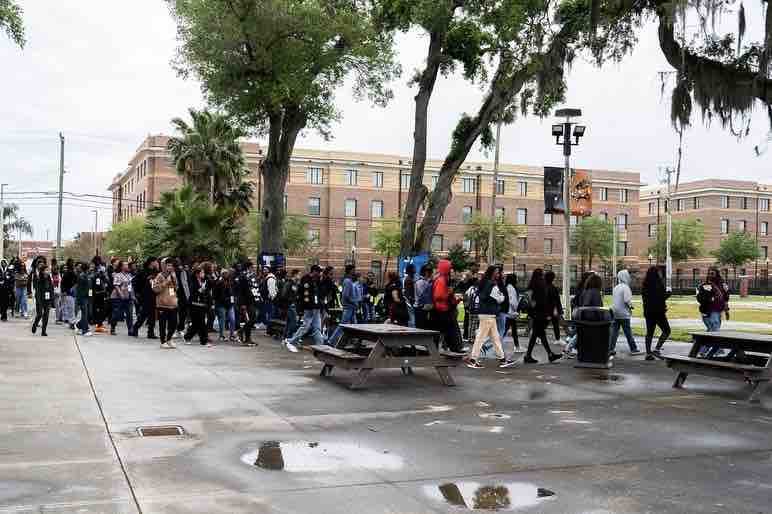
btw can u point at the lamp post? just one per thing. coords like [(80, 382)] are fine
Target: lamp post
[(2, 221), (766, 278), (651, 259), (354, 255), (563, 131)]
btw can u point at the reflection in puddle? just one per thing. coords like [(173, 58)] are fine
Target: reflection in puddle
[(609, 378), (314, 457), (497, 497)]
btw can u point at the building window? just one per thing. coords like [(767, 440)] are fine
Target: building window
[(522, 245), (724, 202), (351, 208), (466, 214), (603, 194), (742, 225), (314, 176), (548, 247), (622, 222), (522, 188), (764, 252), (349, 239), (501, 213), (652, 208), (724, 226), (500, 187), (763, 204), (468, 185), (621, 248), (652, 230), (437, 242), (404, 181), (680, 205), (697, 202), (314, 236), (522, 216), (624, 195), (604, 216), (764, 228), (466, 244), (743, 203), (376, 209), (376, 267), (378, 179), (573, 220), (547, 219), (435, 179), (314, 207), (351, 177), (285, 200)]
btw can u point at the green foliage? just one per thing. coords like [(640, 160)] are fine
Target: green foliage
[(386, 239), (459, 258), (505, 235), (184, 225), (294, 235), (259, 59), (127, 239), (687, 241), (207, 148), (11, 21), (13, 223), (593, 238), (737, 249)]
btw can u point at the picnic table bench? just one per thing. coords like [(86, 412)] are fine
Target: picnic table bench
[(748, 359), (390, 347)]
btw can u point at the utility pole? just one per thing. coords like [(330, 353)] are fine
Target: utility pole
[(2, 221), (614, 228), (492, 235), (669, 220), (61, 189), (96, 224)]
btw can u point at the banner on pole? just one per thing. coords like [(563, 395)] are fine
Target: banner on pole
[(581, 193), (553, 190)]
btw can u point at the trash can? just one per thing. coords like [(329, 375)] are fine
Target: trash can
[(593, 330)]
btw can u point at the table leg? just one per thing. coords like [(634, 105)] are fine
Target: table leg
[(757, 388), (361, 378), (680, 379), (445, 376), (326, 370)]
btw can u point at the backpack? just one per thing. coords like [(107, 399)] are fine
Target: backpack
[(472, 300), (425, 296), (705, 296), (526, 303)]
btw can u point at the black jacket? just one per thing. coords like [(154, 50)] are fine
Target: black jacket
[(44, 285), (540, 303), (654, 300), (591, 298), (488, 305), (328, 293), (223, 294), (309, 293), (553, 299), (69, 279), (200, 293), (249, 289)]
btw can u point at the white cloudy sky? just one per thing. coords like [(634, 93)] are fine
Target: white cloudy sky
[(98, 70)]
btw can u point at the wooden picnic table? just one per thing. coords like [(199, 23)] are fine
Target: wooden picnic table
[(366, 347), (748, 358)]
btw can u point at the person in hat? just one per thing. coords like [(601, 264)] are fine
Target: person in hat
[(311, 304)]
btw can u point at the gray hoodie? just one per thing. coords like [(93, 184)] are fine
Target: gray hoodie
[(623, 297)]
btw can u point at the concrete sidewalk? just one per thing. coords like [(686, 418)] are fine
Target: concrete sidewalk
[(540, 439)]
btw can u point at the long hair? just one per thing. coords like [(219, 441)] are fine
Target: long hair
[(537, 279), (717, 274), (489, 271), (652, 278), (511, 280), (594, 282)]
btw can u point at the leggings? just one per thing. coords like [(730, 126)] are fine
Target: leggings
[(539, 331), (556, 327), (652, 322), (511, 325)]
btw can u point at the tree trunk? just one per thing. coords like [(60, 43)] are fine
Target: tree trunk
[(418, 191), (283, 132)]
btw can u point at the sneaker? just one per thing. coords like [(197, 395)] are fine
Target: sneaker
[(507, 363), (530, 360), (636, 352), (88, 334), (34, 329), (177, 335), (472, 363), (291, 347), (171, 344), (259, 326), (555, 357), (570, 354), (43, 334), (649, 357), (164, 346), (658, 354)]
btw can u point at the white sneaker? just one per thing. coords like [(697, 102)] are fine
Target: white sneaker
[(259, 326), (291, 347), (637, 352), (177, 335), (88, 334), (171, 344)]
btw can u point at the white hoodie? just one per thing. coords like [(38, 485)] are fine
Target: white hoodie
[(623, 297)]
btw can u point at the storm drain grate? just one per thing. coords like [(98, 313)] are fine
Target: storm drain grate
[(160, 431)]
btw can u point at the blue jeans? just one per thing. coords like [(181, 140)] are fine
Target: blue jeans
[(84, 305), (292, 322), (410, 315), (226, 318), (348, 316), (312, 322), (21, 300), (712, 321), (122, 310), (625, 324)]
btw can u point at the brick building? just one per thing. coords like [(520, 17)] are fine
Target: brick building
[(723, 206), (344, 195)]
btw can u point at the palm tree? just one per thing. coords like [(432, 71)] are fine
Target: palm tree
[(13, 223), (208, 155)]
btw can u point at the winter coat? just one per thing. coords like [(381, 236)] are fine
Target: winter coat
[(622, 305), (165, 288)]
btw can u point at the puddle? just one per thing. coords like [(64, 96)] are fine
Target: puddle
[(609, 378), (487, 497), (318, 457), (494, 415)]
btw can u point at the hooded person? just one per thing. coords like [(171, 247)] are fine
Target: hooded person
[(444, 312), (622, 307)]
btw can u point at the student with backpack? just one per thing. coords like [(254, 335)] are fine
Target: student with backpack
[(423, 297), (347, 300), (539, 313), (713, 299), (512, 314)]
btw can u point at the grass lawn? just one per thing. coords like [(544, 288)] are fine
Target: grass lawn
[(686, 310)]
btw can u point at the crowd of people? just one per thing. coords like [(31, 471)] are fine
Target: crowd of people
[(173, 300)]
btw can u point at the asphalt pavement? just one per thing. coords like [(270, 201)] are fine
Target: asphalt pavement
[(264, 433)]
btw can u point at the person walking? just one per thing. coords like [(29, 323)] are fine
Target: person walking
[(408, 290), (44, 299), (622, 307), (100, 301), (69, 280), (289, 295), (56, 280), (224, 305), (555, 305), (423, 297), (490, 297), (512, 314), (183, 296), (397, 311), (539, 314), (21, 282), (310, 303), (6, 289), (348, 303), (713, 299), (200, 299), (249, 295), (122, 298), (165, 287), (444, 311), (143, 289), (655, 297), (83, 295)]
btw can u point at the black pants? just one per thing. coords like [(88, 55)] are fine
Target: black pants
[(146, 314), (539, 331), (197, 324), (556, 327), (446, 324), (42, 310), (182, 315), (99, 309), (652, 322), (248, 319), (511, 324), (5, 302), (167, 323)]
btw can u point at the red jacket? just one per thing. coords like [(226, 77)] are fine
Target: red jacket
[(440, 290)]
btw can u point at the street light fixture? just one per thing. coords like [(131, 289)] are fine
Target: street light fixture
[(563, 131)]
